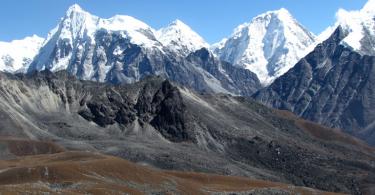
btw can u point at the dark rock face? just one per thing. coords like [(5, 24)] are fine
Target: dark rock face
[(112, 58), (333, 86), (170, 113), (169, 126), (163, 109), (104, 115), (238, 80)]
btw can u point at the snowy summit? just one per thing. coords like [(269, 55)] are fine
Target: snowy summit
[(18, 54), (180, 38), (269, 45), (78, 30), (359, 26)]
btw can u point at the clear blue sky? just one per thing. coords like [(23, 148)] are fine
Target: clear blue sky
[(213, 19)]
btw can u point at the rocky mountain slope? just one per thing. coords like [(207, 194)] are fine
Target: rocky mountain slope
[(333, 85), (269, 45), (158, 123), (17, 54), (123, 49)]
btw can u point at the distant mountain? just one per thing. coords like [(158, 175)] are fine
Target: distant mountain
[(18, 54), (269, 45), (335, 84), (180, 38), (73, 44), (123, 49), (359, 27)]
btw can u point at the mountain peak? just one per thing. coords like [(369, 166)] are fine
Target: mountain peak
[(280, 17), (34, 37), (282, 14), (74, 9), (269, 45), (177, 22), (79, 28), (80, 23), (18, 54), (369, 7), (124, 22), (178, 25), (283, 10), (359, 25), (180, 38)]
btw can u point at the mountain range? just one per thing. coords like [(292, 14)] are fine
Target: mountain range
[(123, 49), (269, 45), (272, 101), (76, 45)]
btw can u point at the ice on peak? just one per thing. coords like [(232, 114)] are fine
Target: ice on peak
[(78, 29), (180, 26), (282, 14), (279, 12), (33, 38), (177, 22), (283, 10), (18, 54), (123, 22), (180, 38), (369, 7), (115, 23), (123, 18), (269, 45), (74, 9), (79, 23), (359, 25), (219, 45)]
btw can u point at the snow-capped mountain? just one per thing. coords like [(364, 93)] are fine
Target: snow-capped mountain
[(334, 84), (78, 30), (180, 38), (359, 26), (18, 54), (71, 45), (269, 45), (123, 49)]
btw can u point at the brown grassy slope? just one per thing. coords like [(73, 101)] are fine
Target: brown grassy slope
[(84, 172), (325, 133), (11, 147)]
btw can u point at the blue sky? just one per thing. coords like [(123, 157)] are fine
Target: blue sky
[(213, 19)]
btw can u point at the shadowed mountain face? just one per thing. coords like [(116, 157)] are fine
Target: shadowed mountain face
[(165, 125), (333, 86)]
